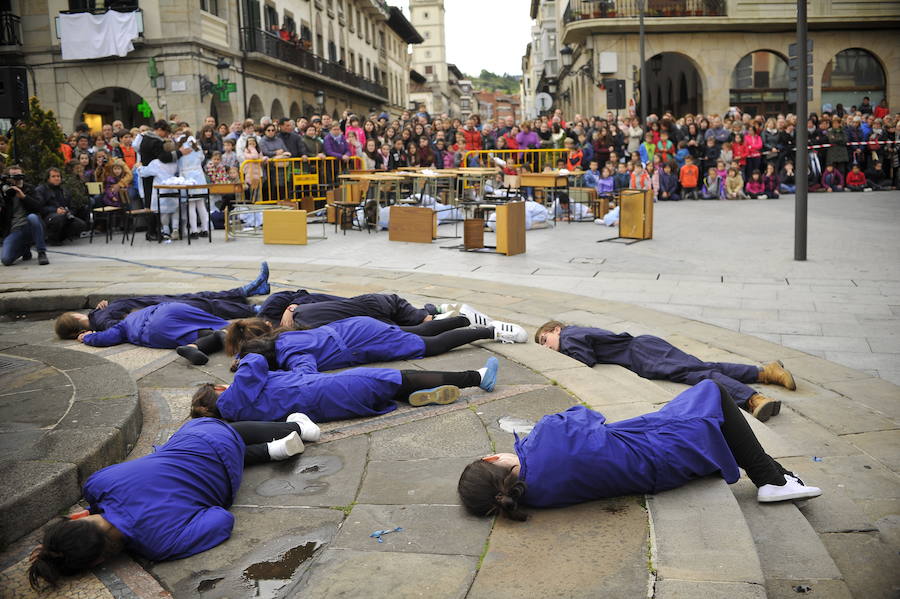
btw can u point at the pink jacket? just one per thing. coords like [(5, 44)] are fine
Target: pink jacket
[(755, 186)]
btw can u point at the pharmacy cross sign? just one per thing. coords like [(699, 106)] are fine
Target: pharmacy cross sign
[(223, 88), (145, 109)]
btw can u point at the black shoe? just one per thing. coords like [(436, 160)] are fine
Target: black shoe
[(195, 236), (192, 354), (42, 259), (204, 233), (26, 256), (151, 237)]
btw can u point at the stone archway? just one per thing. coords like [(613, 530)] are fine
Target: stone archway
[(851, 75), (674, 84), (221, 111), (277, 110), (108, 104), (295, 112), (255, 108), (759, 84)]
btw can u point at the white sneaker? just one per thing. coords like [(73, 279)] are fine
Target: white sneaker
[(475, 317), (507, 332), (309, 431), (793, 488), (286, 447)]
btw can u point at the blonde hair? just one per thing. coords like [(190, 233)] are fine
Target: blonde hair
[(546, 328)]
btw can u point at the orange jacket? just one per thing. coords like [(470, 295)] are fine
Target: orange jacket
[(689, 175)]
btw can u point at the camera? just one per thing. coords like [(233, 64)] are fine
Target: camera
[(7, 182)]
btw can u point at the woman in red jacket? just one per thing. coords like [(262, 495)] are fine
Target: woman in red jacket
[(753, 143)]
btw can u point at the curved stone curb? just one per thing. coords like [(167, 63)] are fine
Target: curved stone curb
[(99, 428)]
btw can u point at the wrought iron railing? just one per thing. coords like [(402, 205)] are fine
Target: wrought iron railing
[(579, 10), (257, 40), (10, 29)]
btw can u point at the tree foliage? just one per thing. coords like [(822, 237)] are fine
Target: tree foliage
[(505, 83), (36, 142)]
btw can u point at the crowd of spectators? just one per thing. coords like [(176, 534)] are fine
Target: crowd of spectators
[(729, 156)]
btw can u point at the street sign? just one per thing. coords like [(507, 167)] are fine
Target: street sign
[(543, 101)]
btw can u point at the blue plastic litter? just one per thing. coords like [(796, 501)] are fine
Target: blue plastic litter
[(379, 533), (816, 458)]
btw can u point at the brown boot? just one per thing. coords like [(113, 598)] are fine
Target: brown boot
[(774, 373), (763, 407)]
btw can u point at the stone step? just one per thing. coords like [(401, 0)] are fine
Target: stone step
[(700, 540)]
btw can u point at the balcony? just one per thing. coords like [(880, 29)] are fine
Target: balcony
[(257, 40), (10, 30), (580, 10)]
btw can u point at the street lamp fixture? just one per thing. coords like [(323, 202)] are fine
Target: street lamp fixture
[(566, 54), (320, 98)]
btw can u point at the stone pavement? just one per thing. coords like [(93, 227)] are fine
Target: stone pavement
[(300, 524), (724, 263)]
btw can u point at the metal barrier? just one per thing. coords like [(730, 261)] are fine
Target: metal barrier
[(274, 180), (534, 159)]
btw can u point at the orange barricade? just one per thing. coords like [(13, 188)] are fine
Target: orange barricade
[(275, 180)]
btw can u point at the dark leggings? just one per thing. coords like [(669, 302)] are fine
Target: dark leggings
[(257, 434), (210, 341), (416, 380), (440, 336), (748, 453)]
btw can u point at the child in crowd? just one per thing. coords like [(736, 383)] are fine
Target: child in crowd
[(167, 207), (832, 179), (727, 154), (771, 181), (734, 185), (856, 179), (621, 179), (252, 170), (647, 149), (126, 151), (713, 185), (755, 187), (739, 154), (397, 159), (877, 178), (721, 169), (190, 166), (689, 178), (668, 184), (354, 147), (654, 180), (664, 147), (115, 181), (574, 155), (788, 178), (229, 156), (592, 176), (711, 154), (605, 184), (681, 154), (639, 178)]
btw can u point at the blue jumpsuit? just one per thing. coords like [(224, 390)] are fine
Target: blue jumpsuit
[(277, 303), (348, 342), (258, 394), (385, 307), (654, 358), (165, 326), (173, 503), (225, 304), (574, 456)]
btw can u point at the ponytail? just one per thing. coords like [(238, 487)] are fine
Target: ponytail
[(486, 489), (243, 330), (68, 547), (264, 346), (203, 404)]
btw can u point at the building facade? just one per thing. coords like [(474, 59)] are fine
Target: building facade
[(281, 57), (498, 106), (708, 55), (444, 90)]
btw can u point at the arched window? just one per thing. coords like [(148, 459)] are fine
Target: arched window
[(759, 84), (850, 76)]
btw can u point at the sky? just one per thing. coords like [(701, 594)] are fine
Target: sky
[(484, 34)]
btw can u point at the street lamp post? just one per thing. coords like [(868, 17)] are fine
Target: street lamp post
[(801, 164), (644, 98)]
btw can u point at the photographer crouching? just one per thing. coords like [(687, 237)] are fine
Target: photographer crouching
[(56, 207), (20, 220)]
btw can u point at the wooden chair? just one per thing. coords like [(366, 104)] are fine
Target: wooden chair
[(108, 215), (131, 215)]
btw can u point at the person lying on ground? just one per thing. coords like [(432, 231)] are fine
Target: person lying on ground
[(360, 340), (228, 304), (654, 358), (167, 505), (575, 456), (260, 394)]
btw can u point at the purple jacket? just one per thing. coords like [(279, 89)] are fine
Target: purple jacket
[(528, 140), (336, 148), (832, 179)]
